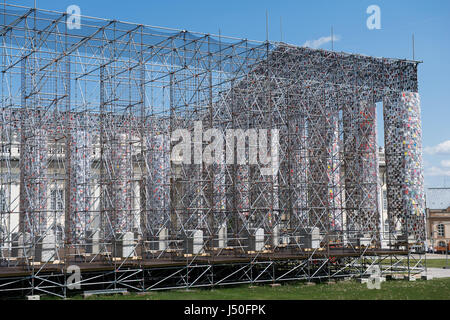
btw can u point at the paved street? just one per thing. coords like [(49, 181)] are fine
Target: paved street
[(435, 256), (439, 272)]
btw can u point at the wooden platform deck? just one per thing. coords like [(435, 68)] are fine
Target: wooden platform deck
[(23, 268)]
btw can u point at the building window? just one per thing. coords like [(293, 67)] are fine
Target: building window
[(386, 225), (6, 148), (441, 244), (384, 200), (441, 230), (3, 204), (57, 200), (59, 232)]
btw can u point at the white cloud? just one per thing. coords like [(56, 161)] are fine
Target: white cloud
[(321, 41), (441, 148), (445, 163), (437, 172)]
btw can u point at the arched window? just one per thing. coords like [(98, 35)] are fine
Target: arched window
[(441, 244), (441, 230), (385, 204), (386, 225), (57, 200), (59, 232), (3, 204)]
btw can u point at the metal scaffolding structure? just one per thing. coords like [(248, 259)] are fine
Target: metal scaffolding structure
[(89, 178)]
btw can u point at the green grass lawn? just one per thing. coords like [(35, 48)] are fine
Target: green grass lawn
[(351, 290), (437, 263), (431, 263)]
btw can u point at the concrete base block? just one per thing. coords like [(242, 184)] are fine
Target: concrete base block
[(347, 279), (87, 294), (255, 239), (310, 283), (163, 237), (427, 277), (46, 249), (363, 280), (411, 278), (276, 236), (310, 238), (123, 245), (144, 293), (93, 241), (193, 242), (258, 240), (365, 242), (221, 241), (275, 285), (35, 297)]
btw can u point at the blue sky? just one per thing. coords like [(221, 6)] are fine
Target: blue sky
[(304, 21)]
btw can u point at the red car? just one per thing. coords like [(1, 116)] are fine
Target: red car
[(441, 247)]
